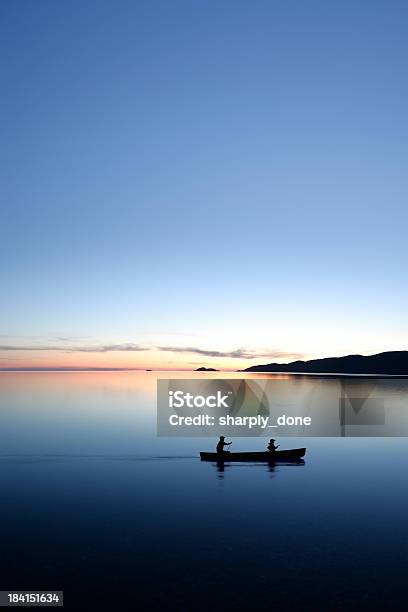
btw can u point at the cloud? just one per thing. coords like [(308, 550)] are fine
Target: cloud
[(131, 347), (70, 338), (103, 348), (12, 347), (239, 353)]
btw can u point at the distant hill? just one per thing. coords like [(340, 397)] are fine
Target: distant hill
[(391, 362), (206, 370)]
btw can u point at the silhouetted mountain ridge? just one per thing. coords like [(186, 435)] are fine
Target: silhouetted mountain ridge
[(390, 362)]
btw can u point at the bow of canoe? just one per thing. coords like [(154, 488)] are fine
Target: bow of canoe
[(283, 455)]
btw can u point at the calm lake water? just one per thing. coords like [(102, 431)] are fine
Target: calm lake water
[(94, 504)]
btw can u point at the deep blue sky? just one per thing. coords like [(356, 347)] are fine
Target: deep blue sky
[(204, 174)]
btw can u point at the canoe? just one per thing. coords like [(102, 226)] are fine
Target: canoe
[(283, 455)]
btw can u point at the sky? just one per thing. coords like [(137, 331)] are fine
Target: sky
[(189, 183)]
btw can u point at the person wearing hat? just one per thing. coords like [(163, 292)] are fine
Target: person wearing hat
[(221, 444), (271, 446)]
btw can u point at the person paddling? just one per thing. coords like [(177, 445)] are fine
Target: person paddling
[(221, 444), (271, 446)]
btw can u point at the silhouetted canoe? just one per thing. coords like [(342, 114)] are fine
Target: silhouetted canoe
[(283, 455)]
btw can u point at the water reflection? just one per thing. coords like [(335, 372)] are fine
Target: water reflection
[(270, 465), (93, 502)]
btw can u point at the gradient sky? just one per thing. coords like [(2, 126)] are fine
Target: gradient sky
[(224, 180)]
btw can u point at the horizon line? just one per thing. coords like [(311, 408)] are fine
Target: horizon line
[(96, 369)]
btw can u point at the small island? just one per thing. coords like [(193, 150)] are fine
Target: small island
[(202, 369)]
